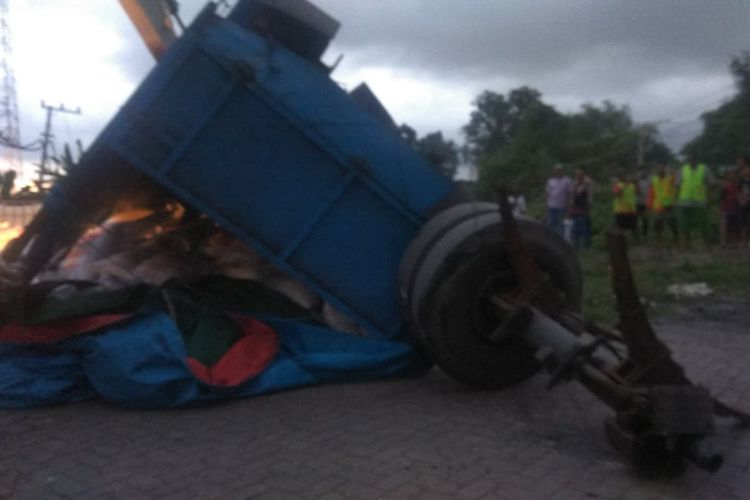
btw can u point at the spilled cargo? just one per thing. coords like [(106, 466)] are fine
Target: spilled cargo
[(244, 225)]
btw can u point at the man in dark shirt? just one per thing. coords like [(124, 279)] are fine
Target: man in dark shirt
[(580, 209), (743, 189)]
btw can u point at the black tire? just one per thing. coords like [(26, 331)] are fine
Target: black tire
[(415, 255), (433, 230), (457, 319), (434, 260)]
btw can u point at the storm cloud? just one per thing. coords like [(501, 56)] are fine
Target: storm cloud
[(542, 39), (666, 59), (427, 59)]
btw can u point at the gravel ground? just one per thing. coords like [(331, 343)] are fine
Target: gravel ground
[(417, 438)]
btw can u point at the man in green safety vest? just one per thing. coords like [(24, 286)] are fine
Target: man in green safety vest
[(661, 199), (692, 199)]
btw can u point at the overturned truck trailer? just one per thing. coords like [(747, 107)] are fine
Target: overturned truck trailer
[(241, 122)]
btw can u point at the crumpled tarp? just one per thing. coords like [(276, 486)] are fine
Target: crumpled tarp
[(143, 361)]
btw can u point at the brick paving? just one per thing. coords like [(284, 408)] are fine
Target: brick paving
[(417, 438)]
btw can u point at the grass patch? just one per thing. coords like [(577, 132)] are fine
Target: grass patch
[(726, 272)]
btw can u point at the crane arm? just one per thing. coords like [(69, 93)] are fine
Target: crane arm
[(152, 19)]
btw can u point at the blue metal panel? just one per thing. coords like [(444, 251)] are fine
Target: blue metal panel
[(265, 143), (354, 249), (266, 174), (307, 96)]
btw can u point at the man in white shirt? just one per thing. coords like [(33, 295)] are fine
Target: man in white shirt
[(558, 191)]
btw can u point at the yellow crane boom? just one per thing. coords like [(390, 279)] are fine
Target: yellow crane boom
[(152, 19)]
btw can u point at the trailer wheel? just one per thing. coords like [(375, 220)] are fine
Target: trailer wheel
[(458, 318), (433, 231)]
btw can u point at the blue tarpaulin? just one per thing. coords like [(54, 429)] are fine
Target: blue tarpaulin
[(141, 363)]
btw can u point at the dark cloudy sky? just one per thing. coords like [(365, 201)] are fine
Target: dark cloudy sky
[(426, 59)]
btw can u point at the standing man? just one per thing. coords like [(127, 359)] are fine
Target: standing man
[(661, 199), (624, 206), (692, 200), (729, 208), (558, 191), (743, 187), (580, 209), (642, 188)]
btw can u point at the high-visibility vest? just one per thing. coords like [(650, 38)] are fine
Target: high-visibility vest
[(663, 192), (693, 184), (625, 202)]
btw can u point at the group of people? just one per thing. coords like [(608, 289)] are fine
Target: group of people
[(677, 201), (570, 198)]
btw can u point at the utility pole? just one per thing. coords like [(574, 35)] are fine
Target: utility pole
[(641, 146), (48, 137), (644, 131)]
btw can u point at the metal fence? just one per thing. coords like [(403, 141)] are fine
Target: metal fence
[(18, 213)]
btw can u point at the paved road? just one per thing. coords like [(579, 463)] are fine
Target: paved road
[(421, 438)]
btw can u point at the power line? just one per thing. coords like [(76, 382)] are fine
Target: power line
[(701, 103), (47, 140), (6, 142)]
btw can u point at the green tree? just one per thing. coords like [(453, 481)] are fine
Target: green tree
[(408, 134), (521, 167), (518, 138), (437, 150), (725, 129), (496, 121), (440, 152), (487, 130)]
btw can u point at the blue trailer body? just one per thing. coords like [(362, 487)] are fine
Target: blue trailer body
[(266, 144)]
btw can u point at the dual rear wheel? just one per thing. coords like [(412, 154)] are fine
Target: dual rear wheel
[(450, 272)]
